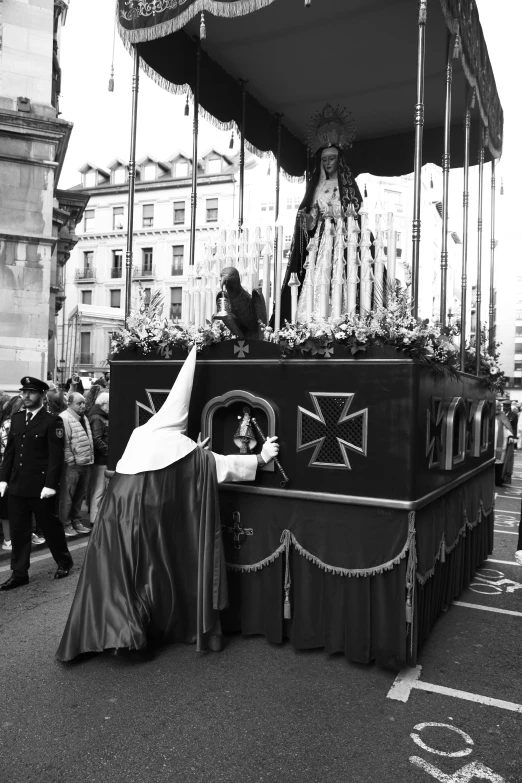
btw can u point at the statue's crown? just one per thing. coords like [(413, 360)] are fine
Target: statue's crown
[(331, 127)]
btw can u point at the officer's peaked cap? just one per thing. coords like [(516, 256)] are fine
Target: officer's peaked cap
[(33, 383)]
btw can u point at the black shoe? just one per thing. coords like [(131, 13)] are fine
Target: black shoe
[(63, 571), (14, 582)]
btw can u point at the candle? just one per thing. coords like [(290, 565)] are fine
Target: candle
[(278, 277), (267, 259)]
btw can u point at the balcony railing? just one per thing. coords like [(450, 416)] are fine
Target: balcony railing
[(87, 273), (176, 269), (147, 271), (86, 358), (116, 271)]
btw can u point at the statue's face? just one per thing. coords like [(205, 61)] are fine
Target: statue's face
[(330, 160)]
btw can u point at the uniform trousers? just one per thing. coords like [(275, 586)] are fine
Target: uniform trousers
[(20, 518), (96, 489)]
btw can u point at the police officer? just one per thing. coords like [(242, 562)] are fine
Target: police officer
[(32, 466)]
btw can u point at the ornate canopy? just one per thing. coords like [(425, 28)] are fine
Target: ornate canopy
[(361, 54)]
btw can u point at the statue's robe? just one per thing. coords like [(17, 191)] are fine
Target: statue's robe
[(154, 566)]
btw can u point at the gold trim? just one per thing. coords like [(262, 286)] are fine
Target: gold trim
[(358, 500)]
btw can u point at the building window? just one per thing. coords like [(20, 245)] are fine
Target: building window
[(117, 218), (214, 166), (115, 297), (146, 297), (518, 366), (90, 179), (119, 176), (393, 199), (148, 215), (149, 172), (267, 206), (87, 297), (212, 210), (518, 331), (518, 315), (117, 263), (88, 221), (177, 260), (88, 260), (175, 303), (179, 212), (85, 348), (147, 259), (182, 168)]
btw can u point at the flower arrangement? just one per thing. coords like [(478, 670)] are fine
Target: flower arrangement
[(148, 330)]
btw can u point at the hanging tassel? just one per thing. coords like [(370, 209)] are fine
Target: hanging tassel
[(431, 181), (365, 191), (308, 3), (231, 143), (187, 107), (111, 80), (202, 27), (409, 611), (269, 170), (287, 608), (501, 186), (456, 46)]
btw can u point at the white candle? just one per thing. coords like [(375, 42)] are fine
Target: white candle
[(267, 258), (278, 278)]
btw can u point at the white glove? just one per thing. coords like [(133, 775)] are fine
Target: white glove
[(270, 449), (47, 493), (203, 444), (3, 487)]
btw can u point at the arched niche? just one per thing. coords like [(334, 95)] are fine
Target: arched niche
[(220, 419), (481, 432), (454, 425)]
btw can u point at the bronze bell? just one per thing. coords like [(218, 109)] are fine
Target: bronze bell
[(224, 308)]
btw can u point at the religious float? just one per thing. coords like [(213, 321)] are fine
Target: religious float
[(380, 508)]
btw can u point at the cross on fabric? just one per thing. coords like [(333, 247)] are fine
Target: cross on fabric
[(237, 532), (331, 430)]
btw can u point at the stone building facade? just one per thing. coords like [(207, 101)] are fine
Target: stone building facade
[(37, 221)]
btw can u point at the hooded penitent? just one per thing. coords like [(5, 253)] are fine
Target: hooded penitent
[(162, 440), (154, 567)]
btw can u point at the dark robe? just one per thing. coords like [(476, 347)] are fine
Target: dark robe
[(154, 566)]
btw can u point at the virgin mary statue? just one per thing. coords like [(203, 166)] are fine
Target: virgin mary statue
[(318, 252)]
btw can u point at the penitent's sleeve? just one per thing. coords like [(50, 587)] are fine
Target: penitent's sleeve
[(236, 467)]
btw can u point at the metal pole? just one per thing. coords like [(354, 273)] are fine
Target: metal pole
[(478, 340), (492, 265), (278, 170), (242, 155), (194, 194), (417, 165), (465, 221), (132, 183), (446, 165)]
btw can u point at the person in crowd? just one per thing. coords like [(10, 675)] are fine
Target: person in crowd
[(7, 405), (74, 383), (504, 448), (99, 421), (56, 402), (91, 396), (31, 469), (79, 456), (512, 416), (155, 565)]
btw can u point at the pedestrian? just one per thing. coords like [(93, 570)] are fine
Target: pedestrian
[(79, 456), (99, 421), (512, 416), (503, 447), (10, 405), (31, 469), (91, 396)]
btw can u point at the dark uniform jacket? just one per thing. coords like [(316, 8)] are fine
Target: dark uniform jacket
[(33, 457)]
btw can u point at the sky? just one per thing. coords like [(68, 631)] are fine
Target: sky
[(102, 119)]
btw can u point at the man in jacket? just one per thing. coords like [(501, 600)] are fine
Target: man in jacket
[(79, 456), (31, 468), (99, 421)]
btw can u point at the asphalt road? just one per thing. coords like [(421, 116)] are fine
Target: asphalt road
[(258, 712)]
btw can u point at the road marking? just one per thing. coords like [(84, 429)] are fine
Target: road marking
[(47, 555), (408, 679), (487, 608), (463, 775), (504, 562), (506, 532), (455, 754)]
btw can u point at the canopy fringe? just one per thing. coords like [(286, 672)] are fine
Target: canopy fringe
[(228, 9)]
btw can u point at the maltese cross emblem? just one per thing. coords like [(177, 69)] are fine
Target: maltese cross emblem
[(241, 349), (331, 431)]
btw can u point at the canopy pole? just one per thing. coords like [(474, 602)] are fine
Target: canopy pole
[(478, 336), (242, 155), (492, 264), (132, 183), (446, 165), (417, 165), (195, 131), (278, 169), (465, 222)]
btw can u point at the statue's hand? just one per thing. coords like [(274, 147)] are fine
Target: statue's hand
[(203, 444), (306, 220)]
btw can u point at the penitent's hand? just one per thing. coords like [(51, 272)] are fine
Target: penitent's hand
[(47, 492), (270, 449), (203, 444), (3, 487)]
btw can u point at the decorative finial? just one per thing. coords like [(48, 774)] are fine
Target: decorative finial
[(187, 107), (202, 27), (111, 80)]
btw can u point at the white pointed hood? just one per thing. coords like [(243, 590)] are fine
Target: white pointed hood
[(161, 441)]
